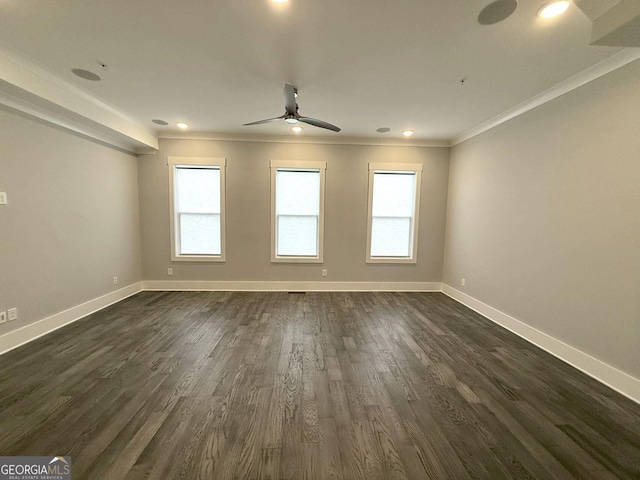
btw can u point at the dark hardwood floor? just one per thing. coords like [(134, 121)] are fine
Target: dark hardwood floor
[(215, 385)]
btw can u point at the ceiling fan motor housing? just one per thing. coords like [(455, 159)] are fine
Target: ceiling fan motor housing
[(291, 115)]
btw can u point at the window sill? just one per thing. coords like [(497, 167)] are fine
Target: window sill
[(297, 260), (198, 258), (391, 260)]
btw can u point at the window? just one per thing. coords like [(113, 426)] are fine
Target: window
[(197, 191), (394, 197), (297, 211)]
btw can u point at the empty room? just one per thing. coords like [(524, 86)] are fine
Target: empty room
[(319, 239)]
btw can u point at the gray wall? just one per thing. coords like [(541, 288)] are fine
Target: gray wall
[(71, 224), (248, 212), (544, 218)]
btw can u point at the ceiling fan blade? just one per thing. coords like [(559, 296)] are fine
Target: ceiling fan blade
[(319, 123), (290, 99), (263, 121)]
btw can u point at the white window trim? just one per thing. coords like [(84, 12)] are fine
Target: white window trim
[(322, 167), (173, 162), (395, 167)]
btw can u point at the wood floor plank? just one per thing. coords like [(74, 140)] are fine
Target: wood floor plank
[(215, 385), (120, 469), (212, 455), (269, 464), (291, 453), (330, 450), (392, 463)]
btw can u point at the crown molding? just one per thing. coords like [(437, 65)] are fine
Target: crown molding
[(320, 140), (594, 72), (20, 106), (30, 88)]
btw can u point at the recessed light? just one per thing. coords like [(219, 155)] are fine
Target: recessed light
[(280, 1), (86, 74), (553, 9), (407, 133), (157, 121), (296, 129), (182, 125), (383, 130)]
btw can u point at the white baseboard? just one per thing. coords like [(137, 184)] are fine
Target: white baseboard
[(30, 332), (266, 286), (618, 380)]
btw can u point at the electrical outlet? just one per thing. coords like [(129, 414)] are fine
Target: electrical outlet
[(3, 317), (3, 198), (463, 282), (324, 272), (115, 280), (169, 271), (13, 314)]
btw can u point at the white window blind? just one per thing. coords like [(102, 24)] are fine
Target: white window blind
[(393, 201), (197, 208), (297, 210)]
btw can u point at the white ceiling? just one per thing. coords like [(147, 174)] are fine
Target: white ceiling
[(359, 64)]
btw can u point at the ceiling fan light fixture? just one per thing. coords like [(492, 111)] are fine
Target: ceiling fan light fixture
[(553, 9), (291, 116)]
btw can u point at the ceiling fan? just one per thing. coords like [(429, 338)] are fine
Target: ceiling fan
[(291, 115)]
